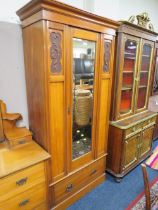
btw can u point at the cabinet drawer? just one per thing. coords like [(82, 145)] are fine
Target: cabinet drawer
[(133, 130), (21, 181), (42, 206), (27, 200), (149, 122), (73, 183)]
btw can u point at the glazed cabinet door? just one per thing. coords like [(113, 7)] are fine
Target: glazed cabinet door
[(82, 87), (146, 141), (131, 151), (144, 75), (127, 69)]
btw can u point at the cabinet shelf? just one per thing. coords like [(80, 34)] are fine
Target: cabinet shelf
[(144, 71), (126, 88), (142, 86), (129, 53), (127, 72), (130, 58), (147, 56)]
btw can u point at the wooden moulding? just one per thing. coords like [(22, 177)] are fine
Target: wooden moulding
[(48, 6), (133, 120), (127, 27)]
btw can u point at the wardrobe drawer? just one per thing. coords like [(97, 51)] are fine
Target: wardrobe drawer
[(149, 122), (27, 200), (42, 206), (73, 183), (21, 181), (133, 130)]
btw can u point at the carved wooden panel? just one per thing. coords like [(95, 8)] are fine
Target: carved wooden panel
[(107, 51), (56, 52)]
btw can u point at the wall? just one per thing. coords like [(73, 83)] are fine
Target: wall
[(106, 8), (134, 7), (12, 80)]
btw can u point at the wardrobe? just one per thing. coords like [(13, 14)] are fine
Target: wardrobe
[(69, 66)]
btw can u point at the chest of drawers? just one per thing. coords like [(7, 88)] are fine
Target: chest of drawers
[(22, 178)]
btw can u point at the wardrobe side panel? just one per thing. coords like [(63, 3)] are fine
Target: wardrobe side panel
[(36, 80)]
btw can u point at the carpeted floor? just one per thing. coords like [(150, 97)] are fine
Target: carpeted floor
[(115, 196)]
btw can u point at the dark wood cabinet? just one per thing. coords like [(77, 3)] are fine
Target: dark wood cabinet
[(69, 66), (129, 136), (146, 142), (153, 100), (130, 151), (130, 141)]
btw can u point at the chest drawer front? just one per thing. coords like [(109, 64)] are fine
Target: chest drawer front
[(75, 182), (42, 206), (21, 181), (133, 130), (149, 122), (27, 200)]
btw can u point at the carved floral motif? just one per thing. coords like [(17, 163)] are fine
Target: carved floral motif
[(107, 47), (55, 52)]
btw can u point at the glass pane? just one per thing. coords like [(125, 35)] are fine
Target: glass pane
[(141, 97), (143, 79), (83, 80), (155, 85), (128, 76), (146, 55), (144, 75), (126, 98)]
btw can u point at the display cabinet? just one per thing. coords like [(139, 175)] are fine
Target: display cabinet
[(153, 100), (131, 90), (155, 78), (69, 66)]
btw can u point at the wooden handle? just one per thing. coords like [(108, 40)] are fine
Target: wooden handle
[(23, 203), (21, 181), (93, 172)]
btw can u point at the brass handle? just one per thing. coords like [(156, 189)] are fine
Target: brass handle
[(93, 172), (21, 181), (23, 203), (69, 187)]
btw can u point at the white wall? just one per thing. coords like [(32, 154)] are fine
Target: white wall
[(8, 9), (76, 3), (135, 7), (12, 80), (106, 8)]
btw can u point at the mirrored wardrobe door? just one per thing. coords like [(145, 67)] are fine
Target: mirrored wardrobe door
[(83, 88)]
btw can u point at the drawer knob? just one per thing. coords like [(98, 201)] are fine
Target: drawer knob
[(93, 172), (69, 187), (23, 203), (21, 181)]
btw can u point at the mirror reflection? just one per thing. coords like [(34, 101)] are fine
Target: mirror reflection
[(83, 80)]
